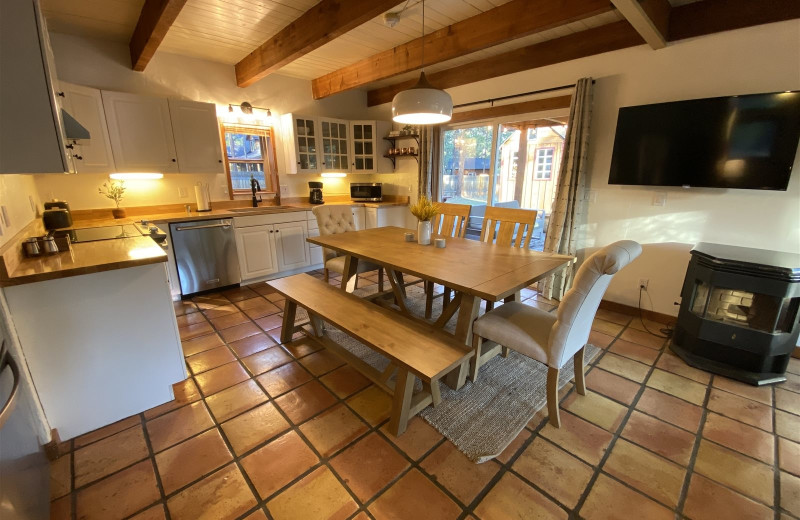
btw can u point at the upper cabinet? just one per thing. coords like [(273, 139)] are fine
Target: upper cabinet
[(368, 147), (335, 144), (300, 138), (31, 126), (197, 138), (141, 133), (91, 155)]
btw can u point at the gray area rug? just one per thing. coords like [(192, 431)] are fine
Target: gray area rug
[(481, 418)]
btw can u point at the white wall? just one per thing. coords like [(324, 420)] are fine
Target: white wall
[(106, 65), (757, 59)]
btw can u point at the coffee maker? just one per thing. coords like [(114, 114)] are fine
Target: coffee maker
[(315, 193)]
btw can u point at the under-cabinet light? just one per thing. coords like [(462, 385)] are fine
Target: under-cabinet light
[(135, 176), (334, 174)]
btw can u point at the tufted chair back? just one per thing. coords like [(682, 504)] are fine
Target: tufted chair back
[(578, 307), (333, 219)]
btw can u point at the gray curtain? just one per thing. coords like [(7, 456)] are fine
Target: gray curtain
[(430, 150), (569, 205)]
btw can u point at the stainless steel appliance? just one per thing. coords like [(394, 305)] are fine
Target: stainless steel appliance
[(315, 193), (205, 254), (366, 191)]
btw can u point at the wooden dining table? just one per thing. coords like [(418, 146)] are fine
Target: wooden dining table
[(474, 270)]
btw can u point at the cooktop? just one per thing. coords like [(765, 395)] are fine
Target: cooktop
[(102, 233)]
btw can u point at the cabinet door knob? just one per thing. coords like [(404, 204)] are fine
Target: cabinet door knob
[(220, 160), (270, 231), (79, 157), (277, 230), (61, 94), (173, 160)]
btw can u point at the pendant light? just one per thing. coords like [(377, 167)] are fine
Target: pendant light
[(422, 104)]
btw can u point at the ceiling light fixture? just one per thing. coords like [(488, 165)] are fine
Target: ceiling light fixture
[(135, 176), (422, 104)]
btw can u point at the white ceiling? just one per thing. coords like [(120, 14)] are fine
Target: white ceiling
[(227, 30)]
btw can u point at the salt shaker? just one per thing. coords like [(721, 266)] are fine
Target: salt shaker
[(31, 247), (49, 245)]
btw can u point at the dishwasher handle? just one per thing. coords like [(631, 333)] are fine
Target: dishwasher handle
[(207, 226), (7, 361)]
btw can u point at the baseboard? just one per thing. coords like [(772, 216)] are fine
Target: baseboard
[(627, 309)]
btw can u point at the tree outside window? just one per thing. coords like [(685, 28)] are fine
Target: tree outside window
[(249, 153)]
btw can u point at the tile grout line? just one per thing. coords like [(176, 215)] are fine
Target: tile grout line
[(152, 459), (776, 458), (684, 493)]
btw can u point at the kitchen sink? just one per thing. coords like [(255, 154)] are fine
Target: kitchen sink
[(260, 208)]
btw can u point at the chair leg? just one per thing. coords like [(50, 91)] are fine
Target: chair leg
[(325, 273), (505, 351), (580, 382), (380, 279), (552, 396), (428, 300), (477, 346)]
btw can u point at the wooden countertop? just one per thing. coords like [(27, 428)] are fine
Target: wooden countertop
[(106, 255), (86, 258)]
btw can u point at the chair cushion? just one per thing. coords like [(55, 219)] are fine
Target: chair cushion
[(337, 265), (518, 326)]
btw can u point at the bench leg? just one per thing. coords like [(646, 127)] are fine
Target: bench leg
[(388, 372), (287, 327), (436, 393), (317, 324), (552, 396), (401, 402), (380, 279)]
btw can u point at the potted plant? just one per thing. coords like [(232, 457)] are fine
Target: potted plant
[(115, 191), (425, 209)]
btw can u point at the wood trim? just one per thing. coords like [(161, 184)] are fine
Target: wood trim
[(712, 16), (650, 18), (324, 22), (524, 107), (610, 37), (502, 24), (658, 317), (156, 18)]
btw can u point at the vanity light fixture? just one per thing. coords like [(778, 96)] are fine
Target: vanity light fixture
[(135, 176)]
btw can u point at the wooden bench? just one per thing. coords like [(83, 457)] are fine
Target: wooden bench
[(414, 349)]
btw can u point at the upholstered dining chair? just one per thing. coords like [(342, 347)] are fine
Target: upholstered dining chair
[(451, 221), (334, 219), (512, 227), (552, 338)]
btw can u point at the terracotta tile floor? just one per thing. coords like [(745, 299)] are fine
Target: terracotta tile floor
[(262, 430)]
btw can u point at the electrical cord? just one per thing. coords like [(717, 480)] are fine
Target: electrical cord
[(666, 332)]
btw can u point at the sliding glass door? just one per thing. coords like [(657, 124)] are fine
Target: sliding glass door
[(504, 164)]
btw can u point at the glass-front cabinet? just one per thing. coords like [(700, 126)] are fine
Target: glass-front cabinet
[(364, 147), (301, 143), (335, 145)]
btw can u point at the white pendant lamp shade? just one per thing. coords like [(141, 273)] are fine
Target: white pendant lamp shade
[(422, 104)]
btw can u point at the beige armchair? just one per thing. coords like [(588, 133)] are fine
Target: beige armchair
[(334, 219), (553, 338)]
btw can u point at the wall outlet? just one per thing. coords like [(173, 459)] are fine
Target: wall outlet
[(32, 203), (660, 199), (643, 283), (183, 192), (284, 190)]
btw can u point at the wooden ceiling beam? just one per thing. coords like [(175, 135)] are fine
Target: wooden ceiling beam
[(507, 22), (324, 22), (156, 18), (610, 37), (650, 18), (712, 16), (536, 105)]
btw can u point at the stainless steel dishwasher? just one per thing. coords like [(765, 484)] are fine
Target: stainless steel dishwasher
[(205, 254)]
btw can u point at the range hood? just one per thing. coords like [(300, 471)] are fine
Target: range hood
[(73, 130)]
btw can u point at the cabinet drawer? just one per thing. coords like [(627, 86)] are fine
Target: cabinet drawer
[(269, 218)]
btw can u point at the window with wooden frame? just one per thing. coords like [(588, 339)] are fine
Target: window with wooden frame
[(543, 165), (249, 153)]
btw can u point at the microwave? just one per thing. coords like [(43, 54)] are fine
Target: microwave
[(366, 191)]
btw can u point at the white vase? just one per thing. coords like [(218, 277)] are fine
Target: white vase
[(424, 232)]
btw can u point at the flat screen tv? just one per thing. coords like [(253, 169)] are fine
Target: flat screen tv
[(746, 142)]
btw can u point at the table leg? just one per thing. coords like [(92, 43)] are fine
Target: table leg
[(350, 273), (394, 278), (467, 313), (513, 298)]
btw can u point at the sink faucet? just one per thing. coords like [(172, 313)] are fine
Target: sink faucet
[(255, 187)]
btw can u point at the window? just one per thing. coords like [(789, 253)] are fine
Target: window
[(544, 163), (249, 154), (466, 158)]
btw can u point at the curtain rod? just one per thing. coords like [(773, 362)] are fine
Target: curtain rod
[(492, 100)]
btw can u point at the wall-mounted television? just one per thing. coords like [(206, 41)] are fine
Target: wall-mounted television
[(746, 142)]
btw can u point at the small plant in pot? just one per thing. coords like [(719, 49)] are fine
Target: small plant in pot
[(425, 209), (114, 190)]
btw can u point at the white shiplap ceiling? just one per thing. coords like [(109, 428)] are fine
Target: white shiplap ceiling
[(227, 30)]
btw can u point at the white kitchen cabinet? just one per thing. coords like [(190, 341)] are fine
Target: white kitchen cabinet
[(141, 133), (334, 135), (301, 145), (31, 126), (368, 147), (359, 217), (290, 245), (85, 104), (383, 216), (255, 246), (197, 139)]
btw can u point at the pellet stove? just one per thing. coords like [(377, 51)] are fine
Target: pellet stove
[(739, 312)]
